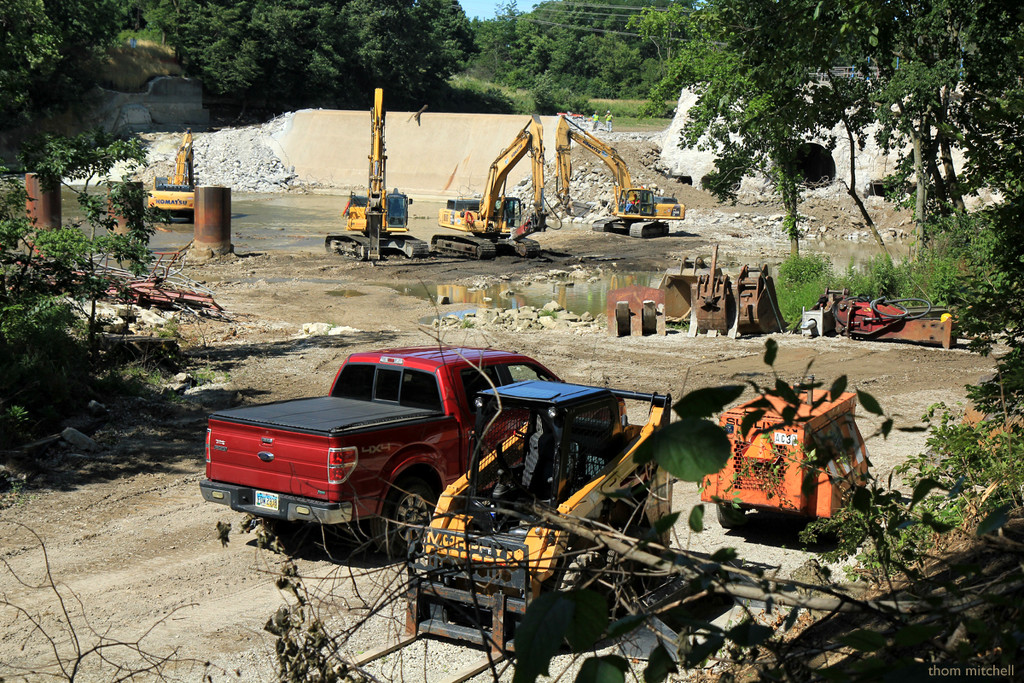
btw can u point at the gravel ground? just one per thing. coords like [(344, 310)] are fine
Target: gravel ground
[(133, 550)]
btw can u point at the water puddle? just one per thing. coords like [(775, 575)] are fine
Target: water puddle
[(345, 293), (578, 295)]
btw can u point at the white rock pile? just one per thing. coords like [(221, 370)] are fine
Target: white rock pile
[(552, 316)]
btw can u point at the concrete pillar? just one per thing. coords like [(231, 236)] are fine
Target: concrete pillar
[(139, 199), (213, 220), (41, 207)]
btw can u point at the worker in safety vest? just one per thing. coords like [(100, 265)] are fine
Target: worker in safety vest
[(593, 121), (608, 120)]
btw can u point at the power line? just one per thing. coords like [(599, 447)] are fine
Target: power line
[(573, 3), (579, 28)]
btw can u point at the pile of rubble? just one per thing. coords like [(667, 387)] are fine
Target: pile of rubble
[(239, 158), (131, 319), (552, 316)]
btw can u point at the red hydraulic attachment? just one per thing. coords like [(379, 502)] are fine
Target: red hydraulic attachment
[(859, 317)]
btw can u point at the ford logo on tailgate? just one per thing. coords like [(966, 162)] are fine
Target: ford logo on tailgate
[(265, 456)]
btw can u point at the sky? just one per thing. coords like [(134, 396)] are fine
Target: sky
[(482, 9)]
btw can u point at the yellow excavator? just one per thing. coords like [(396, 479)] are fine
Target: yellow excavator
[(378, 221), (637, 211), (495, 219), (177, 194)]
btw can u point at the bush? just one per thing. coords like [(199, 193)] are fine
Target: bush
[(802, 280)]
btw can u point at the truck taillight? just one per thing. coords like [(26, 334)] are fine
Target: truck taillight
[(340, 463), (208, 430)]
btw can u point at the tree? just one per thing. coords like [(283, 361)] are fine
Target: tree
[(47, 275), (48, 47), (752, 67)]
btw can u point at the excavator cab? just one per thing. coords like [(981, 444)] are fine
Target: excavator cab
[(397, 213), (511, 211), (636, 201)]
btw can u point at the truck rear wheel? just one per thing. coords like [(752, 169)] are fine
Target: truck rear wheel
[(407, 509)]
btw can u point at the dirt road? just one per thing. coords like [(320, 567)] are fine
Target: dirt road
[(133, 551)]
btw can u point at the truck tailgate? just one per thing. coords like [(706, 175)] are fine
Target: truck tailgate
[(282, 447)]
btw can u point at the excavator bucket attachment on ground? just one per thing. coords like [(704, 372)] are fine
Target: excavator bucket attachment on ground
[(711, 306), (757, 307), (722, 304), (635, 310)]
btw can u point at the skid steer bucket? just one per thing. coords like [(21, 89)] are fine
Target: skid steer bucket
[(757, 307)]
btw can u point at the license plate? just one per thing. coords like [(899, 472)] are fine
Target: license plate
[(267, 500)]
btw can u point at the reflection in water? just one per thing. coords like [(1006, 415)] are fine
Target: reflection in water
[(577, 296)]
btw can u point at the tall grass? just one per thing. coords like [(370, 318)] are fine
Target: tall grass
[(128, 69), (933, 276)]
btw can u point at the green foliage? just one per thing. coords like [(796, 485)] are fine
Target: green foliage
[(576, 617), (575, 50), (318, 52), (49, 274), (977, 463), (48, 49)]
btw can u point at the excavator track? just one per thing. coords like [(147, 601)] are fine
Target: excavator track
[(353, 246), (524, 247), (357, 246), (463, 245), (648, 229), (608, 225)]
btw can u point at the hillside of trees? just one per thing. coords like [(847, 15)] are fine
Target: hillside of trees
[(332, 53)]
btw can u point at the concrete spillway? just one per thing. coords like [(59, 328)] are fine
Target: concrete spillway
[(442, 155)]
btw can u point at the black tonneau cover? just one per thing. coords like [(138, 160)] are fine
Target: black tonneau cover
[(322, 415)]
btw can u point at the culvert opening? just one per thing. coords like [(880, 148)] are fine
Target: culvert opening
[(876, 188), (816, 164)]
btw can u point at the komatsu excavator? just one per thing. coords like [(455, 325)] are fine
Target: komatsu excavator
[(378, 221), (496, 220), (177, 194), (637, 211)]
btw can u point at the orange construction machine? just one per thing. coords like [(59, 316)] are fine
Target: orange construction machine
[(805, 468)]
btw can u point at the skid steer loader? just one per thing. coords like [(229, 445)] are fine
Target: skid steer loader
[(542, 448)]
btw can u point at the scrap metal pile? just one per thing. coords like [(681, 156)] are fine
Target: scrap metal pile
[(165, 287)]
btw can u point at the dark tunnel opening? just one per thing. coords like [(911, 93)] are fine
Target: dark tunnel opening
[(816, 164)]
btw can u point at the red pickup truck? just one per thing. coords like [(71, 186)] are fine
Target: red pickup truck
[(391, 435)]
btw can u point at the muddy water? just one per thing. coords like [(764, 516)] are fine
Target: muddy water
[(274, 221)]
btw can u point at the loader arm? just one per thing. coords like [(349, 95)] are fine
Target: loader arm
[(565, 135)]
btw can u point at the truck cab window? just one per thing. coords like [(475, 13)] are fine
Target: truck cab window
[(356, 381), (474, 380), (521, 371), (387, 385), (419, 390)]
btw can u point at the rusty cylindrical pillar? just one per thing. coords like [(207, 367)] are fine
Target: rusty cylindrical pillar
[(41, 207), (138, 200), (213, 220)]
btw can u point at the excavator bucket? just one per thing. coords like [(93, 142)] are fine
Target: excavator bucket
[(712, 307), (757, 307)]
